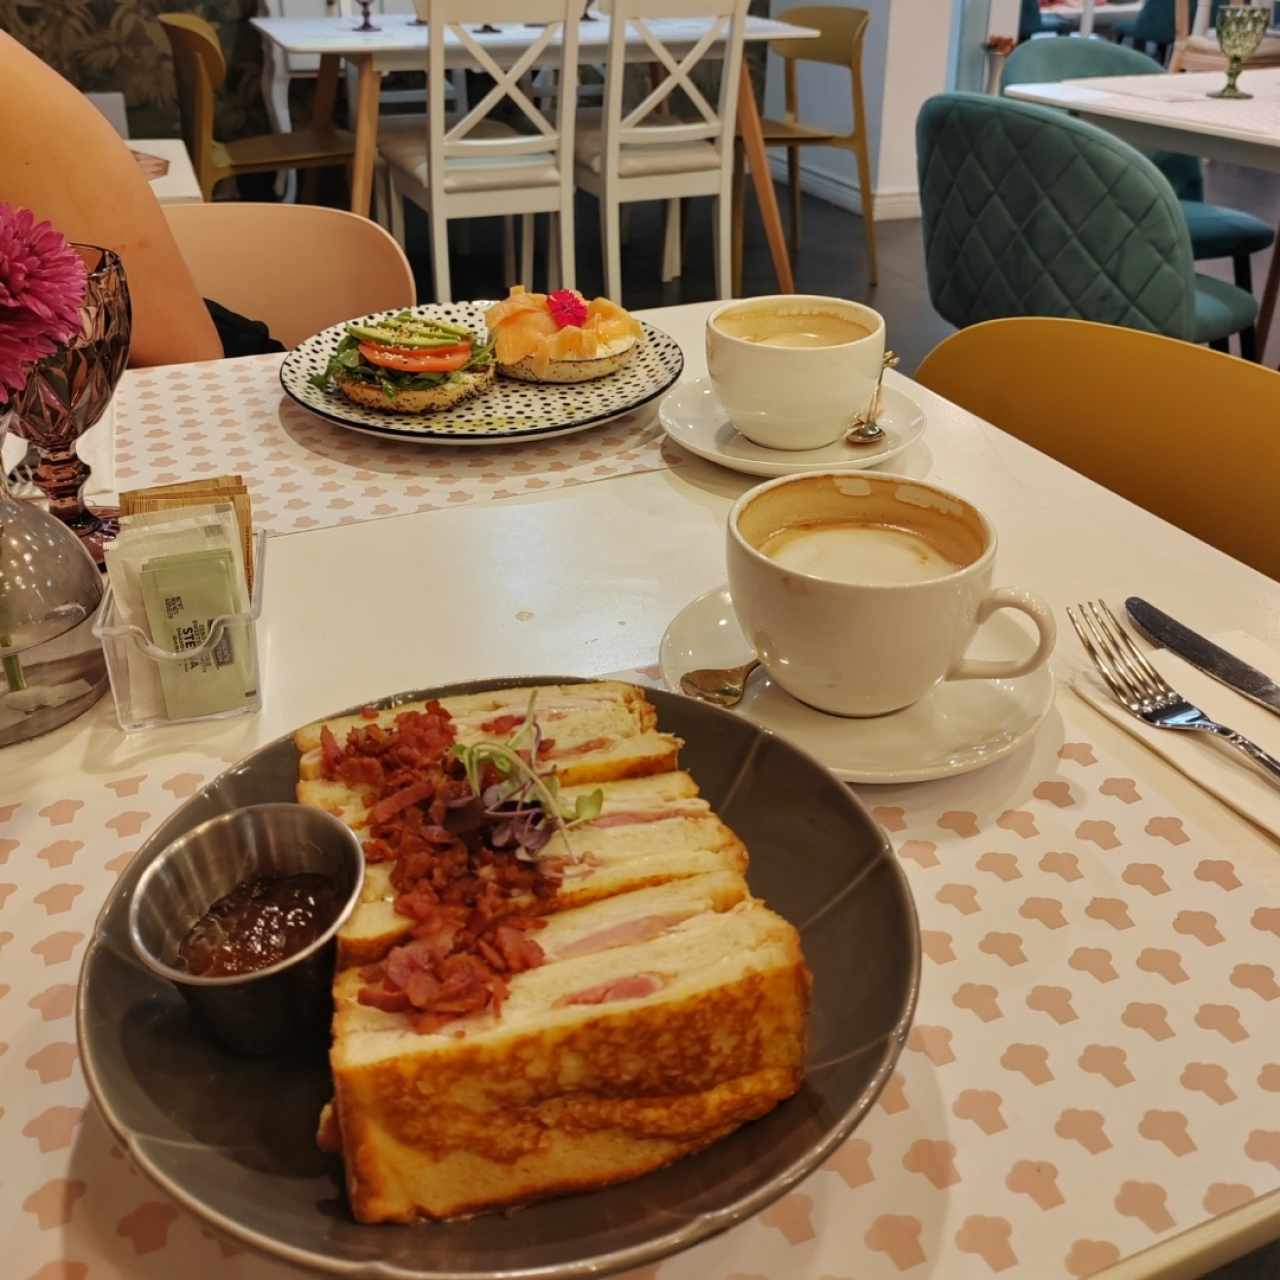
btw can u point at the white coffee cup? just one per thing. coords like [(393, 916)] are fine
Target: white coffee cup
[(865, 648), (795, 397)]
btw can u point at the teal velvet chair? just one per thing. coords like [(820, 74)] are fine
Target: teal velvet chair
[(1216, 230), (1030, 212), (1031, 22), (1153, 24)]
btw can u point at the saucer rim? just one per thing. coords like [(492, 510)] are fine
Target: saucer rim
[(894, 777), (766, 467)]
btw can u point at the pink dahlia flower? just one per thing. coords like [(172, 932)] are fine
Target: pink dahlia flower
[(42, 284)]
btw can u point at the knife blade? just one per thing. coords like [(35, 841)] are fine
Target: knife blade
[(1203, 654)]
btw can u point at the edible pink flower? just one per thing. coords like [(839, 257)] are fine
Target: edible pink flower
[(42, 285)]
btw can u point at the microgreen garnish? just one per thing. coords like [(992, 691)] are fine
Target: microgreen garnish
[(527, 804)]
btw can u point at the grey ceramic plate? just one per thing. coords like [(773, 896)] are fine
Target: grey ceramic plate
[(233, 1139)]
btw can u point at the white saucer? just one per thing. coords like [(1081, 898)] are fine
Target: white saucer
[(960, 726), (693, 417)]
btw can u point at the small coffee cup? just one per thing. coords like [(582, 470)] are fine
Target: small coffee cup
[(794, 371), (861, 591)]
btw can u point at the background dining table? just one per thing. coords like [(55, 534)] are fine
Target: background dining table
[(1091, 1082), (400, 44), (1175, 113)]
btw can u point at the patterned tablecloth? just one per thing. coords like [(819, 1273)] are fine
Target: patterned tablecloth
[(181, 422), (1093, 1065)]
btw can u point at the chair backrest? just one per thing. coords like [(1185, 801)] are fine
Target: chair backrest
[(840, 44), (297, 267), (199, 69), (1030, 212), (1156, 22), (1048, 61), (464, 138), (648, 123), (1128, 410), (1029, 19)]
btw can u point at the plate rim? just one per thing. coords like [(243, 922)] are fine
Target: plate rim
[(443, 438), (695, 1230), (929, 773), (762, 466)]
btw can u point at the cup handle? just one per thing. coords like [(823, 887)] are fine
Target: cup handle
[(1036, 610)]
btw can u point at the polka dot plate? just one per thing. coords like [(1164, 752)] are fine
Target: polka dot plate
[(508, 412)]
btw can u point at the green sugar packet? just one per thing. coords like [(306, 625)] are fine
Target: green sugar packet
[(183, 594)]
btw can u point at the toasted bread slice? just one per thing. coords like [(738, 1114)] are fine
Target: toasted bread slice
[(601, 1067), (650, 831), (461, 386)]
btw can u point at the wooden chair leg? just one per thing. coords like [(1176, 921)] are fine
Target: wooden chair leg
[(868, 200), (1249, 344), (1221, 344), (612, 216), (739, 217), (724, 246), (526, 250), (793, 177), (671, 242), (440, 255), (566, 248), (509, 247)]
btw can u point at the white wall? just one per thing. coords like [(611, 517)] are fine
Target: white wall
[(907, 57)]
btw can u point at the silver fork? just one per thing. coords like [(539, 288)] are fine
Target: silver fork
[(1141, 690)]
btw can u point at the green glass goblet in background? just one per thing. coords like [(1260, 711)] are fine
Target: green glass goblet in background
[(1240, 32)]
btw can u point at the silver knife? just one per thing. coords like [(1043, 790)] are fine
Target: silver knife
[(1204, 654)]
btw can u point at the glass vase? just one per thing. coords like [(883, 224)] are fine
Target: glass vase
[(67, 392), (52, 667)]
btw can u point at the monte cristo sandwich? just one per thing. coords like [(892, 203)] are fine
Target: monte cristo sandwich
[(558, 978)]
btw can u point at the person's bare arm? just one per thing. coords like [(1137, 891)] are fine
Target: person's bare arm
[(60, 158)]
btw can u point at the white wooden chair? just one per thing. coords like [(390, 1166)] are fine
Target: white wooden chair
[(643, 154), (475, 167)]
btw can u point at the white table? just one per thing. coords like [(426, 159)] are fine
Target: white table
[(1173, 113), (401, 45), (554, 595), (178, 185)]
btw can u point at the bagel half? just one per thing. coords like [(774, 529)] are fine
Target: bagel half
[(460, 386), (620, 353)]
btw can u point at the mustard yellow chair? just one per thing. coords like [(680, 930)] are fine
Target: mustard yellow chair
[(1188, 433), (299, 268), (200, 68), (840, 44)]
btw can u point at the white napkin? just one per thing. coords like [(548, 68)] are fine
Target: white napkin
[(1219, 769)]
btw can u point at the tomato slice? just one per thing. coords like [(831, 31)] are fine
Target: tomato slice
[(417, 360)]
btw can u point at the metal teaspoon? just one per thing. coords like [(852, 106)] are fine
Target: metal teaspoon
[(865, 429), (723, 686)]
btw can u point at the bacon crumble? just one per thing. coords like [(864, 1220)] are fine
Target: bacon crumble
[(467, 937)]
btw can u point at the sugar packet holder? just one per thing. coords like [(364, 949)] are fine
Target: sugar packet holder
[(229, 637)]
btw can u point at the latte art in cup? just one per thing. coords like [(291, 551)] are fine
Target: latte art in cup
[(861, 552)]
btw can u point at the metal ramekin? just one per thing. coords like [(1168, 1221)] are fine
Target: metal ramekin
[(256, 1013)]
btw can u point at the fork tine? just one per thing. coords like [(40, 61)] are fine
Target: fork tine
[(1138, 656), (1133, 675), (1150, 687), (1100, 662), (1132, 690)]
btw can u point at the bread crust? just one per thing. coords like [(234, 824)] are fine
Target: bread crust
[(451, 1131), (422, 400)]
